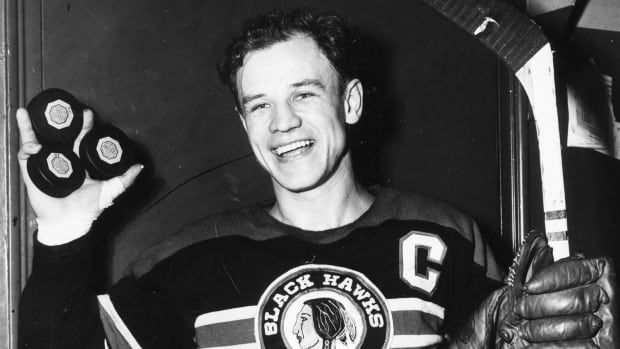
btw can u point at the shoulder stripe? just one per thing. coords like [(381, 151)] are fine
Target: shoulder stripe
[(227, 315), (116, 331), (415, 304), (238, 346), (399, 341), (241, 313), (415, 341)]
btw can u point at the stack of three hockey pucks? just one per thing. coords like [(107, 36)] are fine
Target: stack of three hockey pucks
[(57, 119)]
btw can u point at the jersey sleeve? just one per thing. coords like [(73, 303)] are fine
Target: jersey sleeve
[(146, 313), (473, 272), (479, 276), (58, 308), (62, 305)]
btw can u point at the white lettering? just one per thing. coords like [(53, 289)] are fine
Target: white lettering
[(271, 328), (291, 288), (274, 316), (346, 284), (410, 246), (330, 280), (304, 281), (280, 299), (360, 293), (370, 305), (376, 320)]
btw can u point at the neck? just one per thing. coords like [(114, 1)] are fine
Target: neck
[(338, 201)]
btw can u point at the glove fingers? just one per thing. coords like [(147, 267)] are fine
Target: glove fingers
[(581, 344), (609, 335), (579, 300), (561, 328), (565, 274)]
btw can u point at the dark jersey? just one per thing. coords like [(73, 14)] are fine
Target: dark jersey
[(407, 271)]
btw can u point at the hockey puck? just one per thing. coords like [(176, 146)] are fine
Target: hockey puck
[(56, 171), (56, 116), (106, 152)]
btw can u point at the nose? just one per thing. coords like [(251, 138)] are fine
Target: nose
[(284, 119), (296, 328)]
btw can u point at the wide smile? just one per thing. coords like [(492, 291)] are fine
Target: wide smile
[(294, 148)]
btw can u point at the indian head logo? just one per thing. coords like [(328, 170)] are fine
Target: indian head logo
[(323, 307)]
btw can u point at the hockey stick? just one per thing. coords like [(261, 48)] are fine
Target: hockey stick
[(520, 43)]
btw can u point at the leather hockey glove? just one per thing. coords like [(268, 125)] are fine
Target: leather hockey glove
[(568, 304)]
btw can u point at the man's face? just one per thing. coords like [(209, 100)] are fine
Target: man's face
[(294, 114)]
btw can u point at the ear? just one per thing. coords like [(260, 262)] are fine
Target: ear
[(353, 101), (240, 115)]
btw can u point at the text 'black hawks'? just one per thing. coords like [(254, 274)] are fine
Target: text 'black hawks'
[(321, 303)]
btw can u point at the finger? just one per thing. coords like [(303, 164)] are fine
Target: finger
[(609, 334), (131, 174), (27, 150), (561, 328), (87, 125), (579, 300), (565, 274), (114, 187), (23, 154), (578, 344), (26, 132), (578, 255)]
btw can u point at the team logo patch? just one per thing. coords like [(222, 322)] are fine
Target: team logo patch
[(323, 307)]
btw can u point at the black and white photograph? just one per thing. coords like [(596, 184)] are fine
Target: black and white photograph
[(309, 174)]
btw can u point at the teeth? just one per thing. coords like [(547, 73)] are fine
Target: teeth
[(292, 146)]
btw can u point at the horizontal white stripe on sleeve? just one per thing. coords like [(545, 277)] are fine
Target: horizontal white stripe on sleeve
[(238, 346), (106, 305), (413, 341), (227, 315), (416, 304)]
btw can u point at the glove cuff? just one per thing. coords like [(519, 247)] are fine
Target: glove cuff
[(479, 331), (61, 231)]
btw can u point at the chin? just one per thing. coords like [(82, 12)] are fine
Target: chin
[(299, 183), (297, 187)]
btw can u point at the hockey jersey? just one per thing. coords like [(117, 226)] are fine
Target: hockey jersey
[(407, 271)]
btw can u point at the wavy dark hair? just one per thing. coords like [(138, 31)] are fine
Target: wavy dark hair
[(334, 37), (331, 321)]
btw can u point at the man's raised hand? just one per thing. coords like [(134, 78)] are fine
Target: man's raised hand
[(62, 220)]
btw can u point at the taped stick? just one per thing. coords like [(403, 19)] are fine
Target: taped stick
[(522, 46), (537, 78)]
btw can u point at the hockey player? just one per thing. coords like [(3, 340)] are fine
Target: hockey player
[(329, 263)]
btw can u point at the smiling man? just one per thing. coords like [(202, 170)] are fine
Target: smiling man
[(295, 113), (391, 269)]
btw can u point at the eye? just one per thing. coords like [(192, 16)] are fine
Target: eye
[(303, 95), (258, 107)]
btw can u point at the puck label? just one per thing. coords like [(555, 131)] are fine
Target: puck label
[(59, 114), (59, 165), (109, 150)]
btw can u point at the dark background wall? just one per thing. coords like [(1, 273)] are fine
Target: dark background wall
[(148, 66)]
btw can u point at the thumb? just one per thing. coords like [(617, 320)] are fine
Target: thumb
[(87, 125), (114, 187), (131, 174)]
